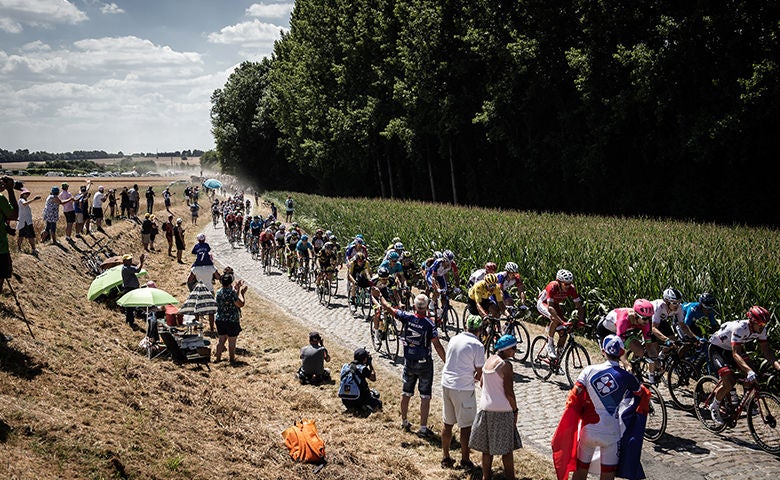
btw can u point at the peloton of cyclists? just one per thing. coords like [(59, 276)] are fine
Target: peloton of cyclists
[(549, 305)]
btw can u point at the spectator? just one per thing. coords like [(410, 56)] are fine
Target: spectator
[(130, 282), (146, 231), (124, 202), (68, 210), (51, 213), (363, 370), (111, 205), (9, 210), (195, 194), (153, 234), (188, 194), (167, 199), (194, 211), (418, 335), (203, 270), (81, 207), (132, 205), (495, 428), (288, 205), (229, 302), (97, 208), (465, 358), (149, 200), (168, 229), (273, 209), (178, 236), (24, 227), (313, 358)]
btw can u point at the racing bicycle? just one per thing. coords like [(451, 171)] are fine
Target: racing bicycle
[(571, 359)]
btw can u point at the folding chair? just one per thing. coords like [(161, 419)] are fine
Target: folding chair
[(180, 356)]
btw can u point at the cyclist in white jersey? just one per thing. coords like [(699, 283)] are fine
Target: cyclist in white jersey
[(480, 273), (669, 307)]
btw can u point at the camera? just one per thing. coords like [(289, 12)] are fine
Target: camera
[(18, 185)]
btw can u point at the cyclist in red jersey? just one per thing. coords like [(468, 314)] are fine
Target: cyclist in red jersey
[(549, 305)]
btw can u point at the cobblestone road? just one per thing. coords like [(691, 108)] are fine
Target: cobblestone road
[(686, 450)]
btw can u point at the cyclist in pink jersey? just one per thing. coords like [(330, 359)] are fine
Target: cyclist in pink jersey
[(549, 305)]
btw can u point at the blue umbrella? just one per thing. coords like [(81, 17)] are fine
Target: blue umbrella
[(212, 183)]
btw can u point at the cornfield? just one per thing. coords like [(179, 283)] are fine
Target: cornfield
[(614, 260)]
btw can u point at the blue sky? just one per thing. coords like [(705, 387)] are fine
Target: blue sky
[(128, 75)]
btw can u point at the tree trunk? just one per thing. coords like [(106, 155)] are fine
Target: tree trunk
[(430, 177), (381, 180), (390, 175), (452, 174)]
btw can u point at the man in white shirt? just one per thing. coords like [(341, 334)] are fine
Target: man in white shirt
[(463, 367), (97, 207)]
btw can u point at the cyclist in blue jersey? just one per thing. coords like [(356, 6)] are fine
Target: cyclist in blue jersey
[(393, 265), (436, 274), (304, 249), (700, 316)]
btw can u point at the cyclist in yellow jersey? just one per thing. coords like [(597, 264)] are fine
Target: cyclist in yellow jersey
[(479, 297)]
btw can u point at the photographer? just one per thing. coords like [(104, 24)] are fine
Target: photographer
[(9, 210), (313, 358), (363, 370)]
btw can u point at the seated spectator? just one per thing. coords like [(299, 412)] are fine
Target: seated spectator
[(313, 358), (363, 370)]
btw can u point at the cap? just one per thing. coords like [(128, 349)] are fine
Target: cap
[(474, 322), (360, 354), (64, 185), (100, 188), (613, 346), (201, 237), (505, 342), (24, 190), (126, 257), (314, 336), (179, 220)]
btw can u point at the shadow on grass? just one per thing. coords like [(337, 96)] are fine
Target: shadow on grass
[(17, 363)]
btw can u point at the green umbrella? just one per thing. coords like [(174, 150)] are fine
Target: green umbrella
[(107, 281), (146, 297)]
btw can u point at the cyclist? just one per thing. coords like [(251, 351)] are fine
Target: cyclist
[(435, 276), (266, 241), (425, 265), (408, 266), (230, 221), (304, 250), (318, 241), (327, 260), (511, 278), (358, 271), (270, 222), (393, 242), (358, 245), (633, 326), (255, 230), (480, 273), (480, 294), (393, 264), (549, 305), (385, 286), (727, 350), (397, 247), (238, 224), (669, 308), (700, 316), (292, 241)]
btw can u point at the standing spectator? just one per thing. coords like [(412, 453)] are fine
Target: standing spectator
[(195, 194), (24, 226), (167, 199), (203, 269), (194, 208), (187, 194), (273, 210), (230, 300), (418, 334), (124, 203), (313, 358), (51, 213), (132, 206), (153, 233), (68, 209), (9, 210), (130, 282), (111, 204), (495, 427), (146, 231), (97, 208), (288, 205), (168, 229), (465, 358), (149, 200), (363, 370), (178, 237), (80, 206)]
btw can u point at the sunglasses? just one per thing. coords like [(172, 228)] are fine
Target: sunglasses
[(673, 303)]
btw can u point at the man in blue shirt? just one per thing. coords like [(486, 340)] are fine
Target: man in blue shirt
[(701, 315), (204, 271)]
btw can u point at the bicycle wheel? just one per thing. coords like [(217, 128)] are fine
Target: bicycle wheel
[(364, 300), (334, 284), (576, 360), (376, 342), (464, 316), (540, 362), (523, 341), (452, 322), (762, 414), (323, 292), (681, 382), (656, 416), (703, 394), (392, 341)]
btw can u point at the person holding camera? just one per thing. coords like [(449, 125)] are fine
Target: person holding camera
[(362, 369), (9, 210), (313, 358)]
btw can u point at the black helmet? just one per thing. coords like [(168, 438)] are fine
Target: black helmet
[(383, 272), (707, 300)]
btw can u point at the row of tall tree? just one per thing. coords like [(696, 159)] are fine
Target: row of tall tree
[(659, 108)]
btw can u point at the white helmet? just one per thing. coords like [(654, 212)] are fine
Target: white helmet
[(672, 295), (564, 276), (511, 267), (398, 246), (437, 254), (450, 256)]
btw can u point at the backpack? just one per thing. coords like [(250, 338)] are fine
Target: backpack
[(304, 442), (349, 388)]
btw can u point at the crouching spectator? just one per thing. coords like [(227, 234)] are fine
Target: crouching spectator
[(353, 387), (313, 358)]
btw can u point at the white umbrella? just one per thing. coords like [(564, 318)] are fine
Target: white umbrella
[(199, 302)]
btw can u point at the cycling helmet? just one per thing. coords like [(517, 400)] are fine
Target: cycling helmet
[(491, 279), (279, 224), (643, 308), (398, 246), (270, 217), (437, 254), (450, 256), (295, 224), (294, 233), (328, 233), (758, 315), (360, 256), (383, 272), (332, 238), (407, 254), (672, 295), (707, 300), (359, 235), (304, 238), (511, 267), (282, 227), (393, 256), (319, 231), (359, 241), (491, 267), (268, 230), (328, 245), (564, 276), (396, 240)]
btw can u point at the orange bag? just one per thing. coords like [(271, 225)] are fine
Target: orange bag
[(304, 442)]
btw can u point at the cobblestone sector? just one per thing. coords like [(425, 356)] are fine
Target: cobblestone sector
[(686, 448)]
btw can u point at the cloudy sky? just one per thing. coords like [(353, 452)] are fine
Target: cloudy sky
[(127, 75)]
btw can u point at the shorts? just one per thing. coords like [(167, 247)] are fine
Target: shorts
[(97, 213), (70, 217), (439, 279), (6, 267), (51, 227), (473, 305), (167, 202), (415, 370), (720, 357), (79, 217), (231, 329), (362, 281), (602, 331), (608, 448), (27, 231), (146, 238), (459, 406), (632, 336)]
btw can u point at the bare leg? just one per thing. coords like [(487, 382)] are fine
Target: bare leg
[(232, 349), (487, 462), (509, 465), (446, 438)]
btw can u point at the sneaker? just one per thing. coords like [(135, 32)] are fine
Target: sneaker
[(406, 426), (715, 413), (424, 432), (551, 351)]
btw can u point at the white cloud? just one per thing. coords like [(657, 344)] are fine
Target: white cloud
[(270, 10), (15, 13), (254, 33), (110, 9)]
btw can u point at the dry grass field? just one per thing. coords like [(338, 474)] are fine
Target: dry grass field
[(81, 401)]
